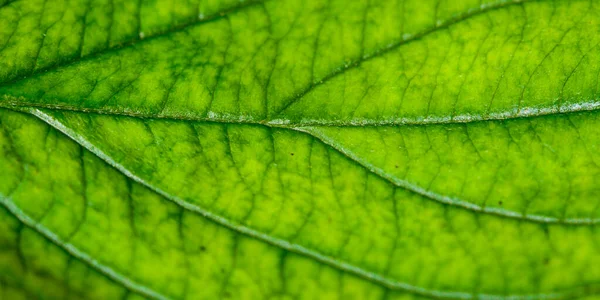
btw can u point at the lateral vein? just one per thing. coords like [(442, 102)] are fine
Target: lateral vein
[(317, 134), (284, 244), (75, 252), (139, 39)]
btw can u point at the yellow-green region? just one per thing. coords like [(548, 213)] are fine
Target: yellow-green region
[(286, 149)]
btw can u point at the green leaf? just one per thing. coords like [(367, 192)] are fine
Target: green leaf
[(299, 149)]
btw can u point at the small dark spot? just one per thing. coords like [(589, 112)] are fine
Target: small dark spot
[(546, 260), (396, 166), (202, 248), (292, 154), (500, 202)]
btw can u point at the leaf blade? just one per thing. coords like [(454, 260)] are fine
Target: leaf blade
[(245, 85)]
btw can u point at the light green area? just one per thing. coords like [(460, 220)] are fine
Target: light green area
[(296, 62), (56, 246), (543, 168), (299, 149)]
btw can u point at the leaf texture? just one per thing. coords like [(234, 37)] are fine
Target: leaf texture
[(395, 149)]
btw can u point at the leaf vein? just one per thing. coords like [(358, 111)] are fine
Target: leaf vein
[(287, 245), (75, 252)]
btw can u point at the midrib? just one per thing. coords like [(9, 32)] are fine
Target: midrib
[(373, 277)]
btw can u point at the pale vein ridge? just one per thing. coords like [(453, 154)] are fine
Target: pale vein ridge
[(75, 252), (318, 134), (399, 43), (286, 245), (514, 113), (525, 112)]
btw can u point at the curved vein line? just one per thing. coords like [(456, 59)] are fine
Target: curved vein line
[(75, 252), (523, 112), (9, 102), (157, 34), (315, 132), (377, 53), (397, 44), (289, 246)]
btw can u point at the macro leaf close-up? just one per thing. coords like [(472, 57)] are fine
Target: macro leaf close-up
[(299, 149)]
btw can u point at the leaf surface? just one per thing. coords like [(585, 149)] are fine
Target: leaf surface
[(411, 148)]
